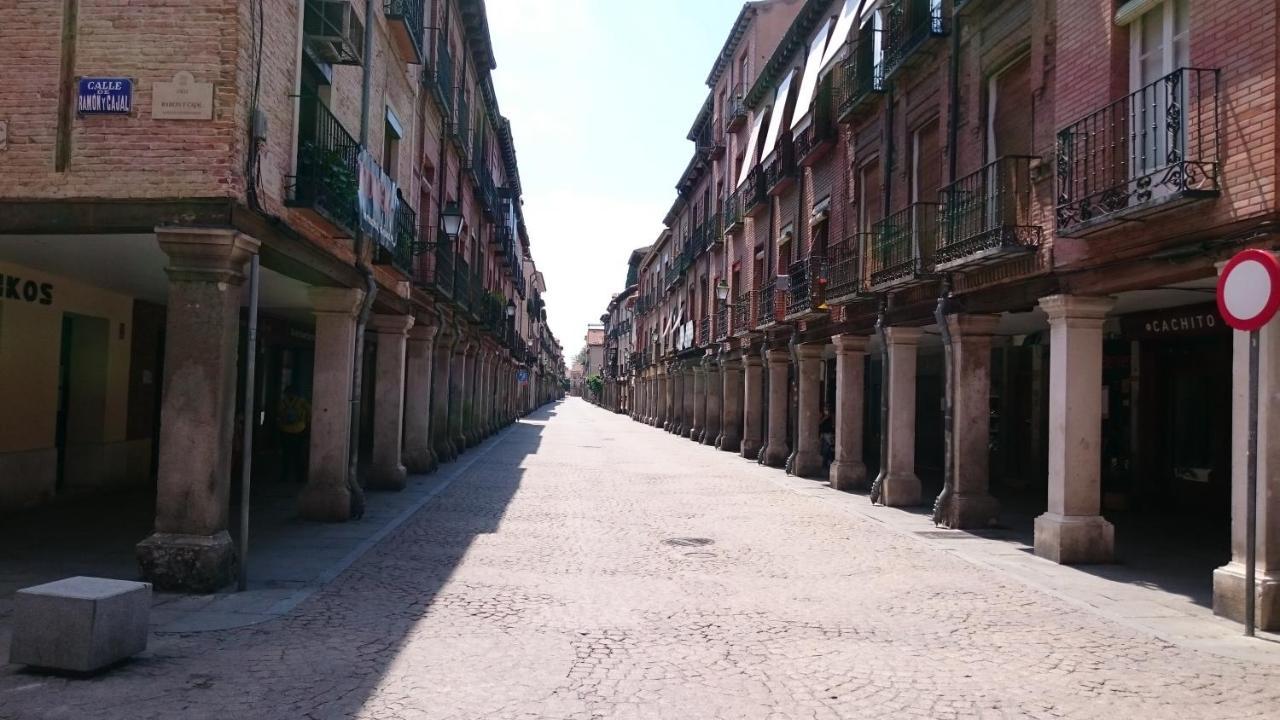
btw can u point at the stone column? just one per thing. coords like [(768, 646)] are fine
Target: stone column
[(1228, 580), (457, 393), (1072, 530), (190, 549), (327, 496), (419, 457), (752, 404), (690, 392), (442, 381), (777, 447), (848, 472), (471, 395), (387, 472), (485, 388), (676, 400), (699, 401), (899, 485), (971, 504), (731, 402), (714, 420), (808, 458)]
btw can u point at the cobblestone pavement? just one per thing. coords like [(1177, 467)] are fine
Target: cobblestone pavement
[(592, 567)]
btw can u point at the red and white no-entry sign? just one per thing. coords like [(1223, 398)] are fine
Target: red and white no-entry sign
[(1249, 289)]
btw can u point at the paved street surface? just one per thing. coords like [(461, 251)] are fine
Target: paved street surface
[(592, 567)]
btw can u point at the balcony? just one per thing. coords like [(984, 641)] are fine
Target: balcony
[(768, 309), (743, 313), (697, 243), (858, 80), (404, 20), (327, 182), (814, 139), (400, 253), (779, 169), (461, 284), (704, 331), (712, 231), (440, 268), (986, 216), (911, 25), (721, 329), (732, 212), (1151, 151), (440, 78), (736, 113), (901, 253), (844, 269), (460, 130), (752, 193), (709, 144), (806, 296)]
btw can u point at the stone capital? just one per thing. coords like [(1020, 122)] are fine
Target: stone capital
[(206, 254), (811, 351), (1077, 310), (850, 343), (337, 301), (972, 326), (390, 324), (423, 331), (902, 335), (778, 356)]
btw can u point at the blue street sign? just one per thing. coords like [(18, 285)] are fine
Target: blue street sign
[(522, 376), (104, 96)]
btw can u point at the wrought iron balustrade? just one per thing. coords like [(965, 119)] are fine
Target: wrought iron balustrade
[(442, 77), (704, 331), (1155, 148), (911, 23), (721, 322), (461, 284), (460, 129), (400, 254), (986, 215), (736, 113), (819, 133), (405, 20), (807, 292), (844, 268), (779, 169), (328, 176), (752, 192), (732, 212), (901, 253), (767, 311), (744, 313)]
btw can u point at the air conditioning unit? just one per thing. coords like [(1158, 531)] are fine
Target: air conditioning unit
[(333, 32)]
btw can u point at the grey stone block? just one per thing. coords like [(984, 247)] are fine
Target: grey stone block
[(79, 624)]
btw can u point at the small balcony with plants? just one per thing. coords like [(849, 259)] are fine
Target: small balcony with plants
[(1150, 151), (736, 113), (327, 182), (986, 216), (901, 251), (806, 291), (816, 138), (844, 269), (405, 21), (911, 26)]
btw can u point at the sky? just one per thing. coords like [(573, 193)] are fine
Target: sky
[(600, 94)]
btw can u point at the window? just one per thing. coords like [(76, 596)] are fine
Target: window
[(869, 206), (392, 133), (1157, 47)]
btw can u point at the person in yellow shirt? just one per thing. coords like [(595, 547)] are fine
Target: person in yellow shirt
[(293, 417)]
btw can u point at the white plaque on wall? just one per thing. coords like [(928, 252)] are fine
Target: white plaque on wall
[(182, 99)]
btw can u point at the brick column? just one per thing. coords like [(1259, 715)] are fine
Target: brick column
[(731, 391), (1072, 530), (441, 393), (899, 485), (848, 472), (808, 458), (327, 496), (777, 447), (190, 549), (387, 471), (419, 457), (971, 504), (699, 426), (752, 404), (711, 425)]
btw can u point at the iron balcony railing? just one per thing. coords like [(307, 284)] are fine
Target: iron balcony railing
[(442, 277), (461, 284), (400, 254), (779, 169), (901, 251), (697, 241), (442, 82), (808, 283), (460, 129), (743, 313), (328, 178), (709, 142), (1155, 146), (712, 230), (859, 77), (768, 312), (986, 215), (911, 23), (736, 113), (732, 212), (405, 18), (752, 192), (844, 268), (721, 323), (818, 135), (673, 273), (704, 331)]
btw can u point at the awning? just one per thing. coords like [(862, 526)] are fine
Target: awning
[(749, 159), (777, 117), (848, 14), (809, 80)]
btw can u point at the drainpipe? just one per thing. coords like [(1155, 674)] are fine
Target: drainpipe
[(370, 285), (942, 506)]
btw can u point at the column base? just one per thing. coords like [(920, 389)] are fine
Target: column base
[(445, 452), (774, 455), (900, 490), (728, 443), (710, 438), (393, 478), (420, 462), (1228, 596), (1075, 539), (971, 511), (750, 449), (808, 465), (686, 431), (187, 563), (325, 503), (847, 476)]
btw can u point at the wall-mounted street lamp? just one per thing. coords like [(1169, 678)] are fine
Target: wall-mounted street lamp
[(451, 220), (511, 309), (722, 291)]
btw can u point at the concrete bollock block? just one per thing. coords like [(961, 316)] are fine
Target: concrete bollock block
[(80, 624)]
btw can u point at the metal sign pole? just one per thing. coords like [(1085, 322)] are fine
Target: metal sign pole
[(1251, 490), (250, 418)]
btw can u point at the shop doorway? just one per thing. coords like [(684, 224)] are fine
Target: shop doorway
[(82, 395)]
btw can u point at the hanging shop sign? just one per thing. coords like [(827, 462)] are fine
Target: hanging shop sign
[(1171, 323), (182, 99), (377, 198), (104, 96)]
